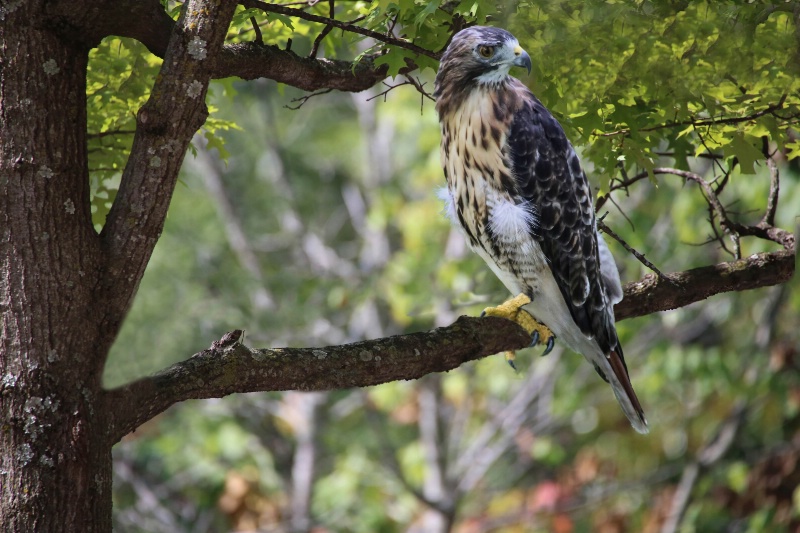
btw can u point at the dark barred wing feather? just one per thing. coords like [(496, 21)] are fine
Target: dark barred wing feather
[(549, 175)]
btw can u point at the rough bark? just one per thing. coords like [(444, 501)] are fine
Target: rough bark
[(146, 21), (55, 462), (63, 288), (229, 367), (651, 294)]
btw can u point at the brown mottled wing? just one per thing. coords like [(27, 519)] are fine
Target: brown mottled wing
[(549, 175)]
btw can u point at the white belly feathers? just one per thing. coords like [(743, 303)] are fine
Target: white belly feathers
[(506, 244)]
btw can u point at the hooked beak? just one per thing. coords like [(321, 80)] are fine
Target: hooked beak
[(522, 59)]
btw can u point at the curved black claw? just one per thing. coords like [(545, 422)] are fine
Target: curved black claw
[(550, 343), (534, 338), (512, 364), (483, 313)]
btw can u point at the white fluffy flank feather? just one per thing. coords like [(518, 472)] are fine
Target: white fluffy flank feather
[(512, 222), (449, 210)]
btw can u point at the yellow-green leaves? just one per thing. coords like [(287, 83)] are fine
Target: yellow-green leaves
[(682, 79)]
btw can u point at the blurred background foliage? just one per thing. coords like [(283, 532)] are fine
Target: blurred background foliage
[(320, 225)]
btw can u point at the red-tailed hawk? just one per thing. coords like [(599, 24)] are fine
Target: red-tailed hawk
[(516, 188)]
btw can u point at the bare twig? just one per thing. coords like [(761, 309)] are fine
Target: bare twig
[(257, 30), (726, 177), (305, 3), (635, 253), (327, 29), (626, 182), (409, 81), (305, 98), (764, 229), (420, 86), (390, 30), (715, 161), (719, 210), (717, 236), (700, 156), (315, 48), (774, 191), (624, 214)]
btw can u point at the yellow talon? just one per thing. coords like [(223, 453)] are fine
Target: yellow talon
[(512, 310)]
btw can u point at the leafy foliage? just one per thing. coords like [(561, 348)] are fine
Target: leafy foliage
[(118, 84), (120, 76), (702, 77)]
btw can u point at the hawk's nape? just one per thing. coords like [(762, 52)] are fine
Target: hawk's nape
[(516, 188)]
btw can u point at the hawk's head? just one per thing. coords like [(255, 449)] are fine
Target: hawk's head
[(478, 56)]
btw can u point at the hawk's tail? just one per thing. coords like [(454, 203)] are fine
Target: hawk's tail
[(623, 390)]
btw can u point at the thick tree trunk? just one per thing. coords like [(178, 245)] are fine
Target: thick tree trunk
[(64, 289), (55, 462)]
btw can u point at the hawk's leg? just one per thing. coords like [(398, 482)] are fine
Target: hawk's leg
[(512, 310)]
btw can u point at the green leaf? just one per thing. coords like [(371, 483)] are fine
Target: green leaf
[(743, 147), (793, 148), (429, 9), (396, 59), (283, 19)]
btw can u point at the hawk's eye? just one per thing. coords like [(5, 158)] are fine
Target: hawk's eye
[(486, 51)]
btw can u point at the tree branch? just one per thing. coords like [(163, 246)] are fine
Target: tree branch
[(717, 208), (89, 22), (346, 26), (147, 22), (774, 190), (650, 295), (602, 226), (164, 126), (229, 367), (764, 229), (771, 109), (628, 181), (250, 61)]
